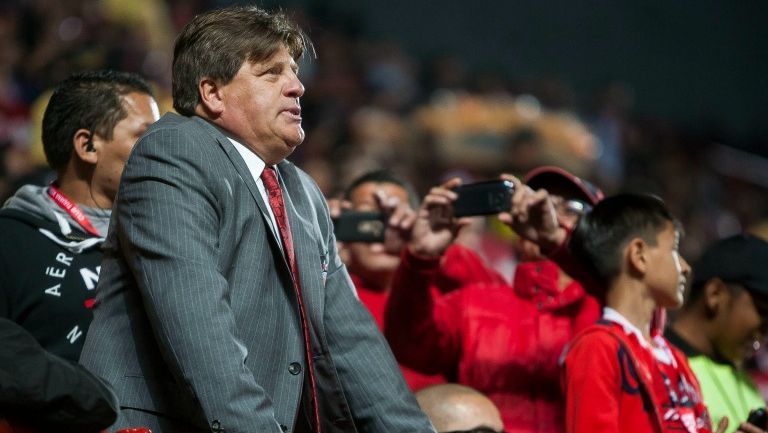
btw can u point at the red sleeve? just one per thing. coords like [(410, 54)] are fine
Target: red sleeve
[(424, 333), (461, 267), (588, 314), (591, 379)]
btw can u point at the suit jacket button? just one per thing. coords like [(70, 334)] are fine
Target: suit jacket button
[(284, 428), (294, 368), (216, 427)]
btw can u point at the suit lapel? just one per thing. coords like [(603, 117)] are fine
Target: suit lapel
[(306, 241), (242, 170), (301, 217)]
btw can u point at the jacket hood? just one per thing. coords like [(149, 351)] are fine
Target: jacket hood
[(32, 205)]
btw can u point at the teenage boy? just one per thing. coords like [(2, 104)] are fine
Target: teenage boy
[(618, 375), (723, 317)]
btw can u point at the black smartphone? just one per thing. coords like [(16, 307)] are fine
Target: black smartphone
[(758, 418), (483, 198), (355, 226)]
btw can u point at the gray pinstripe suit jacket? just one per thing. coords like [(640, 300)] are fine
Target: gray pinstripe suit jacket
[(196, 321)]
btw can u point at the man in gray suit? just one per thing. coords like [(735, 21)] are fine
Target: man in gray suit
[(222, 303)]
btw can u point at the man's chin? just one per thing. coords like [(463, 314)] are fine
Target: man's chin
[(295, 137)]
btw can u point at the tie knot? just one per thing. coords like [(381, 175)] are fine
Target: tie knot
[(269, 177)]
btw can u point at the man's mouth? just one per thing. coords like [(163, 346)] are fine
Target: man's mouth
[(294, 112)]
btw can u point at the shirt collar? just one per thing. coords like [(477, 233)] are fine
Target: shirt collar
[(614, 316), (255, 164)]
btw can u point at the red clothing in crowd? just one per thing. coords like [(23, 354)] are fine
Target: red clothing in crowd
[(461, 266), (503, 341), (616, 382)]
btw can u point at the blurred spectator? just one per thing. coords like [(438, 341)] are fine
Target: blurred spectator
[(445, 113), (372, 266), (503, 340), (609, 123), (723, 322), (90, 126), (459, 409)]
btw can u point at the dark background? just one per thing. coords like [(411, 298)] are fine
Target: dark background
[(702, 65)]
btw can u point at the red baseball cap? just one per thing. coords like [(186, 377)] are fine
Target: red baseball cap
[(558, 181)]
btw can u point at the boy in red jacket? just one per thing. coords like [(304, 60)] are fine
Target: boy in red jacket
[(619, 375)]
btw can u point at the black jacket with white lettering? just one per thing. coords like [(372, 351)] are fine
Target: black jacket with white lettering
[(48, 272)]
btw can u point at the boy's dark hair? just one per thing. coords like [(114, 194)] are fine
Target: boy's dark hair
[(88, 100), (602, 234), (384, 176), (215, 45)]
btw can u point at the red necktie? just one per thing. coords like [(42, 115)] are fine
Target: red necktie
[(269, 177)]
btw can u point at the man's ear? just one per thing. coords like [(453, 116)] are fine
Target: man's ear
[(84, 145), (715, 296), (636, 256), (211, 97)]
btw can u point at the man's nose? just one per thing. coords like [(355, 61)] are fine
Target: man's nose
[(294, 88)]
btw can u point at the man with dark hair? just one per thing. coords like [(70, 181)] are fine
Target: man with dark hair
[(722, 321), (92, 121), (223, 304), (372, 266)]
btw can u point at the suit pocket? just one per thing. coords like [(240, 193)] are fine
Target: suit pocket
[(324, 266), (163, 397)]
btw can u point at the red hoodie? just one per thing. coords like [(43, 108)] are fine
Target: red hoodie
[(460, 266), (502, 340)]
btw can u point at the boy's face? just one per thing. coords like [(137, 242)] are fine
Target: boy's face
[(668, 272)]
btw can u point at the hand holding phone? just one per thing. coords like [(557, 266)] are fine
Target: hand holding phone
[(758, 418), (483, 198), (533, 216), (356, 226)]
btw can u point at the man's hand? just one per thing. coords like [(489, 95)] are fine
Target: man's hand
[(435, 226), (533, 216), (723, 424), (335, 207), (400, 220), (746, 428)]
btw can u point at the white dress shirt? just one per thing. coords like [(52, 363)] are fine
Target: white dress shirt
[(256, 166)]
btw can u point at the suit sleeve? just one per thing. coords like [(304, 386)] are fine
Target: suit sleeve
[(424, 330), (591, 380), (41, 389), (379, 399), (167, 225)]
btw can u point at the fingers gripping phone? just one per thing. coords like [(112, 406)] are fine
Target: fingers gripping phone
[(355, 226), (758, 418), (483, 198)]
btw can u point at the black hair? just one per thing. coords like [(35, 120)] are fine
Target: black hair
[(384, 176), (601, 235), (87, 100), (696, 291)]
